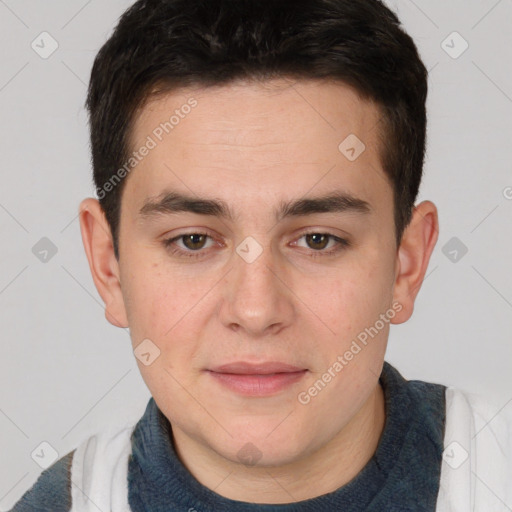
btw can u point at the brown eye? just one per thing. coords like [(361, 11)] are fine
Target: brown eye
[(189, 245), (317, 241), (194, 241), (320, 244)]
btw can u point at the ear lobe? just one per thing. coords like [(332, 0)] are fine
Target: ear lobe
[(104, 267), (413, 257)]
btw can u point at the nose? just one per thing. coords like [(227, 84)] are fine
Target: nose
[(257, 301)]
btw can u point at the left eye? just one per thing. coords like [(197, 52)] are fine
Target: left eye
[(318, 241)]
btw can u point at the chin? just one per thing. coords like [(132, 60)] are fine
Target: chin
[(262, 449), (254, 455)]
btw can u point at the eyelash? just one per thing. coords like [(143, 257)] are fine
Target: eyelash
[(342, 244)]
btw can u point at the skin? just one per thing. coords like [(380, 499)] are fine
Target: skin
[(253, 146)]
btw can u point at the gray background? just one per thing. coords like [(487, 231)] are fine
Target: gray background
[(66, 372)]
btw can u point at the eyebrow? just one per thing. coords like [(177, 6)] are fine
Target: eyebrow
[(169, 203)]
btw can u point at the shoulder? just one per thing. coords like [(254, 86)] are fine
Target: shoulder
[(89, 466), (100, 468), (477, 461), (52, 490), (489, 422), (483, 413)]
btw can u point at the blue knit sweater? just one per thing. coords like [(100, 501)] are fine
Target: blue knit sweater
[(402, 475)]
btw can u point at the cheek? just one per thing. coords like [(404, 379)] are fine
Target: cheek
[(352, 296), (168, 310), (148, 298), (155, 297)]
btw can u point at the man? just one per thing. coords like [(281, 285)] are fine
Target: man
[(257, 165)]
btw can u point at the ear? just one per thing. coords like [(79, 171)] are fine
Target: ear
[(97, 240), (413, 256)]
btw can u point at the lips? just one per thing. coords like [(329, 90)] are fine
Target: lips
[(245, 368), (257, 380)]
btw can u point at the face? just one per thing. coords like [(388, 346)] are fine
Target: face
[(292, 262)]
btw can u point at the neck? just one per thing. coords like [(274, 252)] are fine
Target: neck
[(329, 468)]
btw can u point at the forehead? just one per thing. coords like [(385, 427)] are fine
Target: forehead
[(262, 110), (275, 137)]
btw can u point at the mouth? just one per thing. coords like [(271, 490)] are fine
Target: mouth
[(245, 368), (263, 379)]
